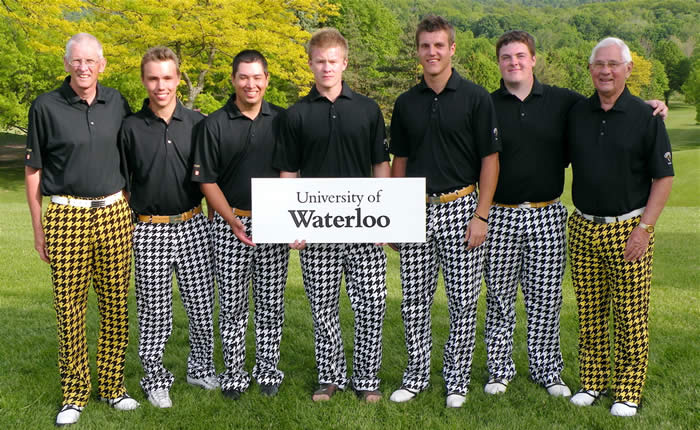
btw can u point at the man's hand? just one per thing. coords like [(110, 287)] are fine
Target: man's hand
[(637, 244), (239, 231), (40, 245), (298, 245), (660, 108), (476, 233)]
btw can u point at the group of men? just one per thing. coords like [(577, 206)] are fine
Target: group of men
[(98, 164)]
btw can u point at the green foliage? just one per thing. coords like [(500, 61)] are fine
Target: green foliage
[(677, 65), (691, 88), (23, 76), (658, 84)]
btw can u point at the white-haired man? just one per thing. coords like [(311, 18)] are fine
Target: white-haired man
[(73, 156), (622, 175)]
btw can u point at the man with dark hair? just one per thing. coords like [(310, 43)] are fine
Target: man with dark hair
[(335, 132), (444, 129), (171, 233), (526, 242), (622, 177), (235, 144), (73, 156)]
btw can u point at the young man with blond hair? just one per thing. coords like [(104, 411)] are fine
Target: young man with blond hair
[(335, 132), (171, 233)]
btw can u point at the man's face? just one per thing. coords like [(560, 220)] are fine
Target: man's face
[(84, 64), (435, 52), (250, 83), (327, 64), (609, 71), (161, 80), (516, 63)]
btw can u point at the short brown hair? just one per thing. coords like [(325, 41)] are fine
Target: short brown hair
[(433, 23), (516, 36), (160, 53), (326, 38)]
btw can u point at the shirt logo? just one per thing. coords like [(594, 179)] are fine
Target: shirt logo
[(196, 172), (667, 156), (495, 133)]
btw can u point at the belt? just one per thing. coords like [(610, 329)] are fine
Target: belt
[(609, 219), (528, 204), (450, 197), (241, 212), (171, 219), (87, 203)]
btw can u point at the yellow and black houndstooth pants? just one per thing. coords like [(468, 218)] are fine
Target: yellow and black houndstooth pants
[(90, 245), (601, 276)]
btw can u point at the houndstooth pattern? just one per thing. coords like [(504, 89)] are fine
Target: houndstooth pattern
[(526, 246), (90, 245), (444, 248), (236, 265), (364, 265), (160, 249), (602, 277)]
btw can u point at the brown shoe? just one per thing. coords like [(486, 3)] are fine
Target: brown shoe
[(324, 392), (369, 396)]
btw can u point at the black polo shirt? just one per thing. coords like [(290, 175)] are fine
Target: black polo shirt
[(533, 135), (231, 148), (615, 154), (159, 157), (75, 145), (444, 135), (320, 138)]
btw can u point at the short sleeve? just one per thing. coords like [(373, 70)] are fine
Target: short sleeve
[(287, 153), (206, 153)]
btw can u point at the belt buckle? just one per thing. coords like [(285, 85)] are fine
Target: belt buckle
[(97, 203), (175, 218), (434, 200), (599, 219)]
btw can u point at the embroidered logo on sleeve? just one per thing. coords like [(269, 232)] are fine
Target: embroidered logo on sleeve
[(667, 156)]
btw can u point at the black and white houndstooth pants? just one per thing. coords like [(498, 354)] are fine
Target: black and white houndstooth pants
[(160, 249), (236, 265), (364, 265), (526, 246), (445, 247)]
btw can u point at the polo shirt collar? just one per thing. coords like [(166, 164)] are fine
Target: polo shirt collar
[(149, 116), (452, 83), (72, 97), (233, 112), (620, 104), (344, 92), (536, 90)]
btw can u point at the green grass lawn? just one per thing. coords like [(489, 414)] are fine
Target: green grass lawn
[(29, 382)]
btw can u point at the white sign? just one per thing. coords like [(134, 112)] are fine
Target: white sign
[(338, 210)]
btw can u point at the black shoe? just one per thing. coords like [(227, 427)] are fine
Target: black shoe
[(232, 393), (269, 390)]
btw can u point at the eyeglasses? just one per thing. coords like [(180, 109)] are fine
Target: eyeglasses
[(89, 62), (600, 65)]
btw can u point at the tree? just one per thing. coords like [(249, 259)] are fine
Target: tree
[(23, 76), (691, 88), (659, 82), (677, 65), (641, 74), (205, 34)]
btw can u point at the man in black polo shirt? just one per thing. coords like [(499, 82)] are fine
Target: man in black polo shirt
[(171, 233), (73, 156), (234, 145), (527, 225), (444, 129), (622, 176), (335, 132)]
